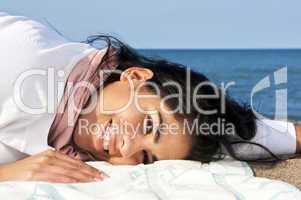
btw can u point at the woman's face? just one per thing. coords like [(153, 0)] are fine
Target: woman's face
[(130, 124)]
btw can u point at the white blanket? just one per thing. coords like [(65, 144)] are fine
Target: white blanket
[(173, 180)]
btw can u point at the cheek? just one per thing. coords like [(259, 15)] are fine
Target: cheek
[(130, 120), (114, 98), (85, 136)]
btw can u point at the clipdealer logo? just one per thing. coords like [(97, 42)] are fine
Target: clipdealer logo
[(278, 79)]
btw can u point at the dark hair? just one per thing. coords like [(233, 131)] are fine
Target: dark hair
[(206, 147)]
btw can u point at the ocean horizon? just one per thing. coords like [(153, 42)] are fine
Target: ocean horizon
[(246, 67)]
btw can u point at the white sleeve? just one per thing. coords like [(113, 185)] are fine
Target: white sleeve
[(29, 45), (9, 154), (278, 136)]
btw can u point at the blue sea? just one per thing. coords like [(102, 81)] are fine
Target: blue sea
[(246, 68)]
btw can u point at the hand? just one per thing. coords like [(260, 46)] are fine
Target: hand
[(50, 166)]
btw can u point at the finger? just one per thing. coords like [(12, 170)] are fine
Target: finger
[(78, 164), (53, 178), (71, 167), (70, 173)]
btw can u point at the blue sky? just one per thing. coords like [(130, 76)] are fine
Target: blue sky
[(173, 23)]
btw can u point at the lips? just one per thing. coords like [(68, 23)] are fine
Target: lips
[(108, 144)]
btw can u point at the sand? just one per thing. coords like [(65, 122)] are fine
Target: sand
[(288, 171)]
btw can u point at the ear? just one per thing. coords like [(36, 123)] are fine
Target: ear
[(136, 73)]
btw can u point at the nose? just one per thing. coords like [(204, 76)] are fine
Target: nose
[(131, 144), (132, 138)]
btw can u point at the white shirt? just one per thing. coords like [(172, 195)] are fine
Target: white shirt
[(26, 45), (277, 136)]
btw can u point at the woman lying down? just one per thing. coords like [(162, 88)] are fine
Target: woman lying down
[(63, 103)]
